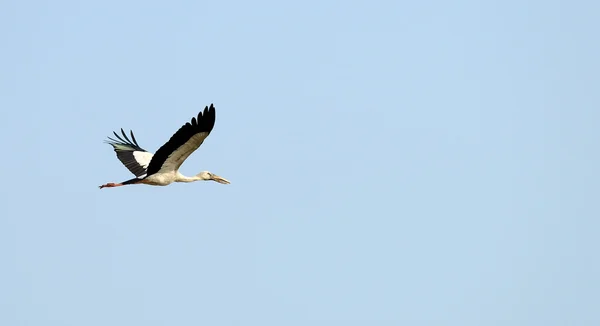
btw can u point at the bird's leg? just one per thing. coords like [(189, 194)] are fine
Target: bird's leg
[(110, 185)]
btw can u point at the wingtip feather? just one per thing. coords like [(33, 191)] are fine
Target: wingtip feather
[(133, 138)]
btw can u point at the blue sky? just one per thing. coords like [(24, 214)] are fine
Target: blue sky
[(392, 163)]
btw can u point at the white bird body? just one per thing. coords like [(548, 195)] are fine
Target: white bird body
[(166, 178), (162, 168), (160, 179)]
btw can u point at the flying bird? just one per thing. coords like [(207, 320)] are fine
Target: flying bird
[(162, 168)]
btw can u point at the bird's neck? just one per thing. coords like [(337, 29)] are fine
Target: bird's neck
[(183, 178)]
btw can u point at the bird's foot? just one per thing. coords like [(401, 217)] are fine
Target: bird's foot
[(110, 185)]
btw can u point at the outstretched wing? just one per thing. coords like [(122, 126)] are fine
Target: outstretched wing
[(135, 158), (183, 143)]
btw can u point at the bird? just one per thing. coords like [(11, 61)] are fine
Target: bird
[(162, 168)]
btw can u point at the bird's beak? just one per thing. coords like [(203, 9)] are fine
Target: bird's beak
[(220, 180)]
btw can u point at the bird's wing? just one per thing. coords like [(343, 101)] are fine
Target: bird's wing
[(135, 158), (184, 142)]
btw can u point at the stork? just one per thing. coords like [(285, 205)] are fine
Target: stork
[(162, 168)]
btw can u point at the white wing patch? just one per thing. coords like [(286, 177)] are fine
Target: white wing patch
[(143, 158)]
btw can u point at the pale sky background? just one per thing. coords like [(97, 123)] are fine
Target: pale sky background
[(392, 163)]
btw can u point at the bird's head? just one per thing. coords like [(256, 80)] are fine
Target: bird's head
[(205, 175)]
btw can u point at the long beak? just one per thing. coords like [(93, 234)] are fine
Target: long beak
[(220, 180)]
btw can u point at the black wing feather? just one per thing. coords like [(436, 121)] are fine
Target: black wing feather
[(124, 148), (204, 123), (133, 138)]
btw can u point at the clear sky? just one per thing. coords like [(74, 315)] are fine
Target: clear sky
[(392, 163)]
